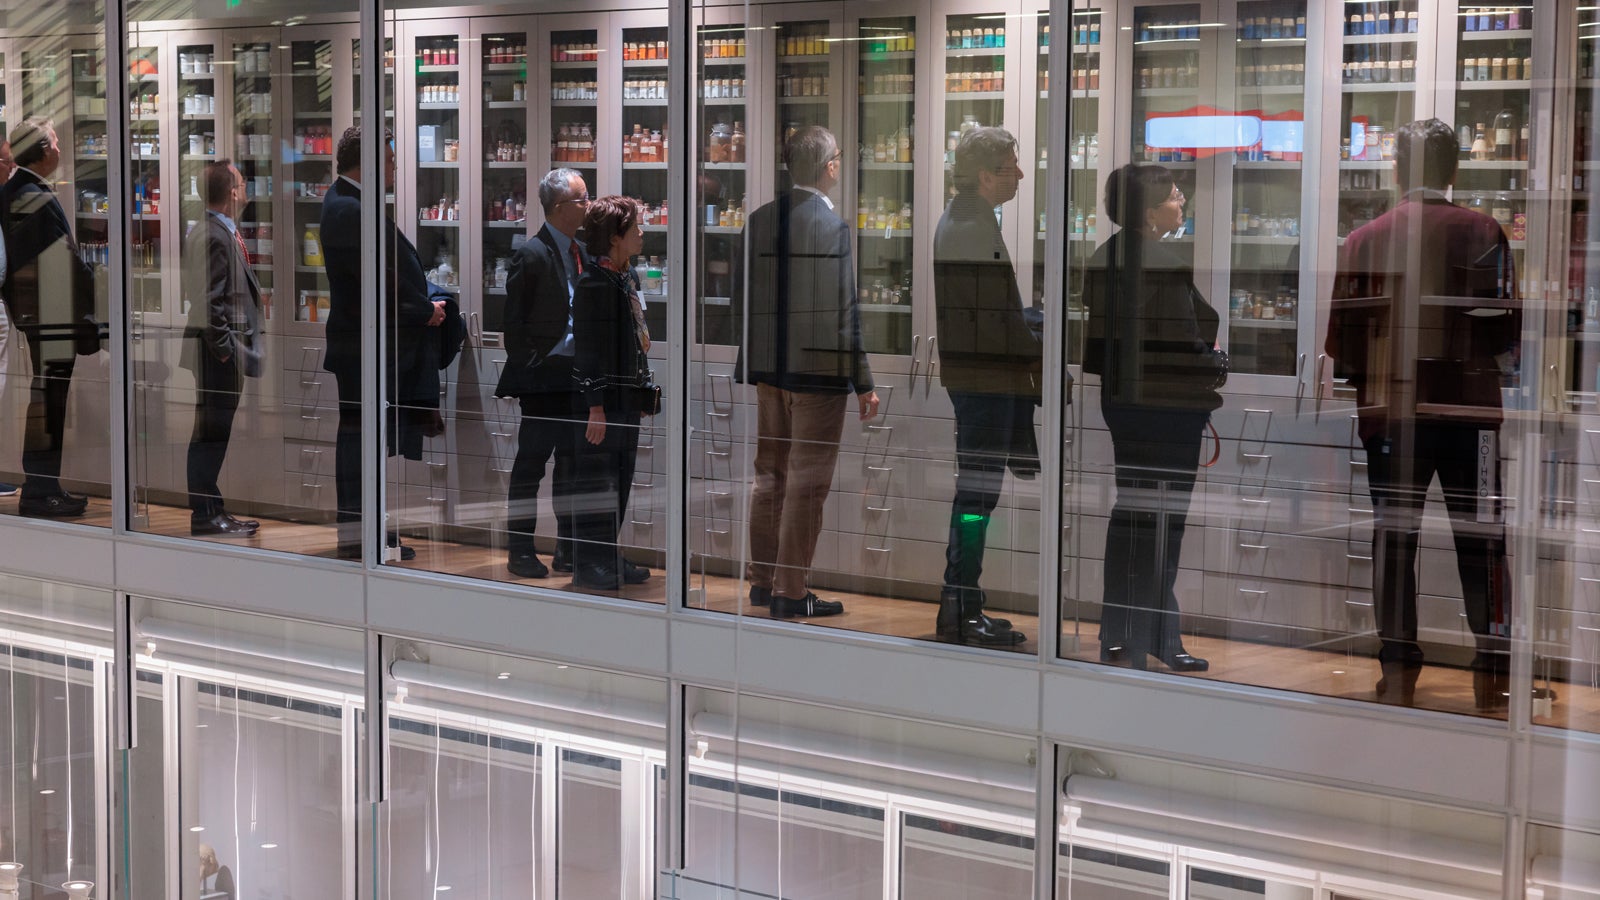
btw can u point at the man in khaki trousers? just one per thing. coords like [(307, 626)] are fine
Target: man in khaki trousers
[(803, 353)]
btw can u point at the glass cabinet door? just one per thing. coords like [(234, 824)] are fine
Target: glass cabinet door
[(198, 81), (724, 185), (1264, 281), (314, 137), (90, 155), (574, 123), (1082, 158), (506, 197), (1494, 98), (145, 294), (254, 152), (886, 182), (437, 202), (1165, 72), (644, 156), (1379, 74)]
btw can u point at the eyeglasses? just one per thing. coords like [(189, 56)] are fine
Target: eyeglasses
[(581, 201)]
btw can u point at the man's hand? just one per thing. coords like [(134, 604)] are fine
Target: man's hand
[(595, 432), (868, 403), (438, 313)]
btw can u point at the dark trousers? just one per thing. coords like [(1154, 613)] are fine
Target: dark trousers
[(993, 431), (600, 497), (347, 451), (1401, 463), (547, 429), (41, 447), (1156, 455), (217, 389)]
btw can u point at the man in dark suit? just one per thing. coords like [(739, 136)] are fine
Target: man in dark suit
[(991, 361), (47, 283), (224, 343), (410, 315), (538, 370), (804, 355), (1428, 365)]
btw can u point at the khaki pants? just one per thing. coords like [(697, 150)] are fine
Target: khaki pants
[(796, 449)]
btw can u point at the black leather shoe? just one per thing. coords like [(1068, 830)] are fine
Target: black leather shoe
[(1113, 653), (760, 596), (597, 577), (807, 607), (950, 612), (985, 632), (527, 566), (61, 505), (632, 574), (562, 561), (1183, 662), (222, 525), (1398, 685)]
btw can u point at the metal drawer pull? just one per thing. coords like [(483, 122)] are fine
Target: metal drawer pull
[(710, 493), (719, 453), (436, 465), (880, 468), (1252, 591), (1358, 462), (1255, 499), (504, 434), (1367, 605), (312, 450), (879, 549), (311, 486), (435, 499), (1256, 455), (1358, 556), (880, 427), (880, 509), (1254, 547), (498, 470), (722, 533), (719, 415)]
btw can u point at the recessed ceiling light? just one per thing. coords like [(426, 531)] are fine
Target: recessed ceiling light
[(1338, 671), (47, 792), (197, 828), (442, 888), (503, 676), (269, 846)]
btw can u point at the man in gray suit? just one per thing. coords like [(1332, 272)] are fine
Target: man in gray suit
[(223, 344), (803, 353)]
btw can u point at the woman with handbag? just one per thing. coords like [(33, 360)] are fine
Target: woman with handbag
[(612, 373), (1152, 340)]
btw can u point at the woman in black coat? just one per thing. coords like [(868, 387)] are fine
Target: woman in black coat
[(1152, 339), (612, 373)]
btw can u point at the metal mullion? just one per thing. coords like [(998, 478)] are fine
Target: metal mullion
[(549, 797)]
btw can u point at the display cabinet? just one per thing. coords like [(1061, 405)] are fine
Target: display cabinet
[(1092, 51), (506, 196), (725, 185), (885, 182), (645, 142)]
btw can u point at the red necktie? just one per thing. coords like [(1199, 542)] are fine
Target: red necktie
[(239, 237), (577, 259)]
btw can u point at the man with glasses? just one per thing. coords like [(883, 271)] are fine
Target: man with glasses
[(990, 360), (538, 370), (803, 353), (410, 313)]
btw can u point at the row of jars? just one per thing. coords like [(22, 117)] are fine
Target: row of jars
[(975, 38), (882, 216), (509, 151), (513, 208), (888, 148), (144, 104), (448, 209), (574, 142), (502, 53), (1274, 74), (1249, 224), (313, 139), (1497, 68), (725, 144), (197, 63), (887, 83), (803, 45), (1272, 28), (439, 56), (200, 105), (147, 146), (723, 48), (519, 92), (1281, 305), (255, 104), (1383, 21), (633, 50), (1184, 76), (722, 88), (644, 146), (640, 89), (804, 86), (252, 145), (589, 52), (252, 60), (1395, 71), (577, 90), (974, 82), (1082, 79), (438, 93)]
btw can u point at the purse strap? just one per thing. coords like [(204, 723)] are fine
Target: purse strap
[(1216, 446)]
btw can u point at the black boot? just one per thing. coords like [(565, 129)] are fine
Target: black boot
[(961, 618)]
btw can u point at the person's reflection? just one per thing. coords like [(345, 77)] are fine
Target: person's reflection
[(991, 361), (804, 355), (410, 372), (1427, 365), (1152, 340), (223, 343), (216, 880), (44, 271), (8, 334)]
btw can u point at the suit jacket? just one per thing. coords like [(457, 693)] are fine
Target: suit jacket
[(47, 282), (1461, 254), (985, 344), (537, 307), (1151, 336), (608, 358), (224, 300), (406, 296), (804, 328)]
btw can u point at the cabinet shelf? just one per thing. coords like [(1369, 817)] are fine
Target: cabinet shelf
[(1267, 165), (888, 167), (515, 68), (723, 101), (1518, 85), (435, 70), (311, 157), (575, 104), (990, 52), (1406, 38), (724, 167), (197, 76), (639, 166), (1390, 87), (888, 98), (632, 103), (1264, 324), (1261, 240), (653, 229), (1166, 92), (886, 234), (803, 101), (500, 164), (439, 223), (438, 165), (506, 104), (642, 63), (1522, 34), (888, 55), (1272, 89), (961, 96), (1366, 165), (444, 106), (586, 64), (313, 115), (723, 229), (884, 307), (520, 224), (1493, 165), (1269, 43), (809, 58)]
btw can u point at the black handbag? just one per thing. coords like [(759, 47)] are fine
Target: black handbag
[(647, 398)]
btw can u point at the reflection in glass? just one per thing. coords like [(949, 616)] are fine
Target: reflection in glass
[(945, 859), (1205, 884), (1089, 873)]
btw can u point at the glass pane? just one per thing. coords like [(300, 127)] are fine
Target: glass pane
[(55, 644), (234, 412), (590, 810), (1205, 884), (1090, 873), (944, 859)]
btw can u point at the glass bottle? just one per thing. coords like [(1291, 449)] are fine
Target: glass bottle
[(1481, 148), (1505, 135)]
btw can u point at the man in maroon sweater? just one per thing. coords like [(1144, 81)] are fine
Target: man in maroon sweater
[(1424, 323)]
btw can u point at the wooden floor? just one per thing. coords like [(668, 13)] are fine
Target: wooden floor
[(1320, 672)]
